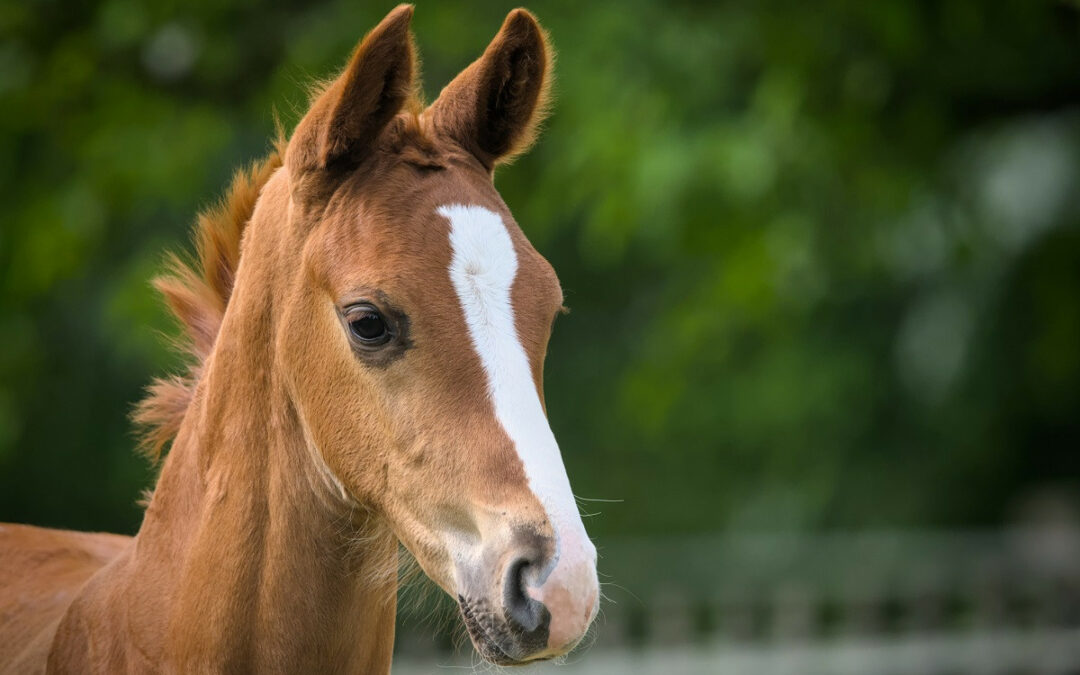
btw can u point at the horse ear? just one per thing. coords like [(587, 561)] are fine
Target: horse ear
[(352, 110), (495, 106)]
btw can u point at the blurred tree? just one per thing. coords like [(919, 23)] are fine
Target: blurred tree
[(822, 258)]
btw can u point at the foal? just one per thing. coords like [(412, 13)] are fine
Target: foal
[(370, 327)]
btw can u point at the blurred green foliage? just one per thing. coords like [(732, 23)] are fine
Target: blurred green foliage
[(823, 258)]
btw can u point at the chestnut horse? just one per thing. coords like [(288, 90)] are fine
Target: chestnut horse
[(370, 327)]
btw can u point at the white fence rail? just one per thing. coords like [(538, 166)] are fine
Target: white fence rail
[(895, 602)]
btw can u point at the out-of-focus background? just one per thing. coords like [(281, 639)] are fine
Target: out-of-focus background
[(822, 370)]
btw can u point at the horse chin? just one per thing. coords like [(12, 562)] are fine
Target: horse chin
[(493, 638)]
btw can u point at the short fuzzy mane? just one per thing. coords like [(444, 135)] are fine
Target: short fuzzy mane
[(197, 293)]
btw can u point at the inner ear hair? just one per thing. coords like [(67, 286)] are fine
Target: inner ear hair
[(513, 94), (494, 108)]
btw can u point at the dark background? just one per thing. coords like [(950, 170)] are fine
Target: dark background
[(823, 259)]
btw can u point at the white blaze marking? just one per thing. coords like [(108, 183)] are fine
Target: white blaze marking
[(483, 269)]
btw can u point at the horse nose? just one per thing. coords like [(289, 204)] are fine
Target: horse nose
[(550, 594), (569, 593), (529, 594), (527, 617)]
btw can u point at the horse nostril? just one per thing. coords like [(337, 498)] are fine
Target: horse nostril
[(527, 615)]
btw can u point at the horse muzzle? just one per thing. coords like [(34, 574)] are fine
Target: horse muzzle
[(539, 602)]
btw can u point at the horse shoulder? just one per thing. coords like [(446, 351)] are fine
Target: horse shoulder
[(42, 571)]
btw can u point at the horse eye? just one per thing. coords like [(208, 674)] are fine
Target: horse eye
[(368, 326)]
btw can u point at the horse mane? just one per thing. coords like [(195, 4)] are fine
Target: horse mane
[(197, 292)]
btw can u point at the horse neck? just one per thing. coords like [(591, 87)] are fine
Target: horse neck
[(259, 561)]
